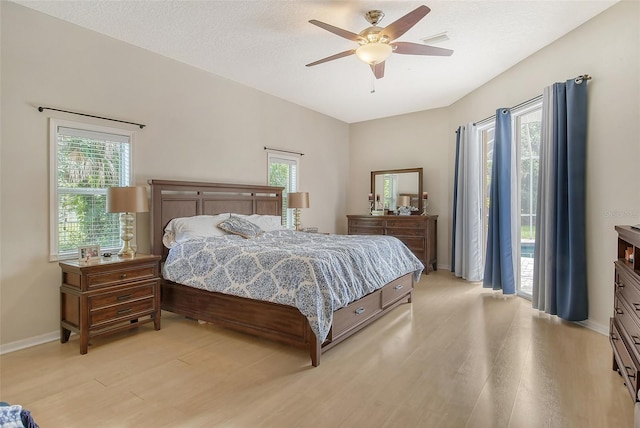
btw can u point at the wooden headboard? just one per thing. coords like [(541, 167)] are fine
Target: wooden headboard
[(171, 199)]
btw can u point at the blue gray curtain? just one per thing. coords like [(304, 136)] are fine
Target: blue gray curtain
[(560, 270), (466, 241), (499, 264)]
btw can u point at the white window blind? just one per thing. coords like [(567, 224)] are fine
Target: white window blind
[(283, 172), (86, 160)]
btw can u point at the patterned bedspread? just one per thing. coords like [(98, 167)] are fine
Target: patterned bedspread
[(315, 273)]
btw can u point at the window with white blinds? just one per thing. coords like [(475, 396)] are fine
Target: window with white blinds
[(85, 161), (283, 172)]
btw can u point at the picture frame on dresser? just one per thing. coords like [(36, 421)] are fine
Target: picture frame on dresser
[(88, 252)]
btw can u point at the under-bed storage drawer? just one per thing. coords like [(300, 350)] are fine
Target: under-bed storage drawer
[(356, 313), (396, 289)]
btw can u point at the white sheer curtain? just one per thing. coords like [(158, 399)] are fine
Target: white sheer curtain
[(541, 297), (467, 260)]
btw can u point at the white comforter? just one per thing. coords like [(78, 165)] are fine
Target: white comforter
[(317, 274)]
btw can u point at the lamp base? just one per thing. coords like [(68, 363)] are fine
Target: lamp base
[(296, 219), (126, 234)]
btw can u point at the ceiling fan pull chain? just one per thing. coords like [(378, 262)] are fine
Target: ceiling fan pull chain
[(373, 85)]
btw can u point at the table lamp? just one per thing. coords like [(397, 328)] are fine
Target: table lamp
[(404, 205), (126, 201), (298, 200)]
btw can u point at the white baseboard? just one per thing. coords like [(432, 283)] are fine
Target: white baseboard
[(592, 325), (27, 343)]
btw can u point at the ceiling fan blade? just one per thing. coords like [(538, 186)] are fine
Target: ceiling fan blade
[(332, 57), (407, 48), (335, 30), (402, 25), (378, 70)]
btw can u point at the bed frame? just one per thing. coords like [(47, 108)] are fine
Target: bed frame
[(170, 199)]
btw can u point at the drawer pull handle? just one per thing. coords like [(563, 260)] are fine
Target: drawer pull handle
[(360, 311), (123, 276), (124, 311), (614, 336), (399, 287), (124, 297), (636, 340), (619, 285), (619, 311), (628, 369)]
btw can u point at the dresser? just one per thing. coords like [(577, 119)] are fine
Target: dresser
[(419, 233), (108, 295), (624, 333)]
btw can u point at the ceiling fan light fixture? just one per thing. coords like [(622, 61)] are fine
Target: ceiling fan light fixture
[(374, 53)]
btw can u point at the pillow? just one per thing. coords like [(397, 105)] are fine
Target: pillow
[(267, 223), (241, 226), (182, 229)]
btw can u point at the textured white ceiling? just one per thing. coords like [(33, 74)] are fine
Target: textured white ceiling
[(266, 44)]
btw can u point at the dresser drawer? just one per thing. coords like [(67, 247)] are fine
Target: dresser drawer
[(366, 222), (627, 320), (397, 289), (111, 314), (111, 277), (124, 295), (628, 287), (626, 365), (358, 230), (358, 312), (407, 223), (397, 231), (414, 244)]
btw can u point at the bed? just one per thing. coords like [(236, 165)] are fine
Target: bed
[(275, 321)]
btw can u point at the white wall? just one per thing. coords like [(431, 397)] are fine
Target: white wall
[(199, 127), (607, 47)]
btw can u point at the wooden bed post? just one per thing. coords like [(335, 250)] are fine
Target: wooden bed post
[(315, 347)]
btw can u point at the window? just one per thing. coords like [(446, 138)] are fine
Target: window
[(283, 172), (526, 126), (84, 161)]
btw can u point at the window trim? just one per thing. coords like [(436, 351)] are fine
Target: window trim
[(54, 123), (294, 159)]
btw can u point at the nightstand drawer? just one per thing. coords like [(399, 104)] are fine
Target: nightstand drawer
[(396, 290), (112, 314), (121, 275), (124, 295)]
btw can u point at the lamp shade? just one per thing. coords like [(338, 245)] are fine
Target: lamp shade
[(299, 200), (374, 53), (127, 200), (404, 201)]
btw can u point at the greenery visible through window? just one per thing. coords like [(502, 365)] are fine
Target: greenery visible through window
[(283, 172), (86, 160)]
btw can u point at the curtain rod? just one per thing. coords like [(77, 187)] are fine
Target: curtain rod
[(283, 151), (578, 79), (41, 109)]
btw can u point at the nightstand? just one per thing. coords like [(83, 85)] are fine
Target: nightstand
[(108, 295)]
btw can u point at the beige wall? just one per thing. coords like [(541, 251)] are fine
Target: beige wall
[(199, 127), (607, 47), (202, 127)]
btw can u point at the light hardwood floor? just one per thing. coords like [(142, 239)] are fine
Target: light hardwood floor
[(458, 356)]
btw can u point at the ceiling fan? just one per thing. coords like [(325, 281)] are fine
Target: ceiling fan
[(376, 42)]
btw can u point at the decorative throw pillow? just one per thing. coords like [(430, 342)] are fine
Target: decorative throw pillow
[(240, 226)]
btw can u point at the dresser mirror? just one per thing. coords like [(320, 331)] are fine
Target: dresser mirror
[(392, 183)]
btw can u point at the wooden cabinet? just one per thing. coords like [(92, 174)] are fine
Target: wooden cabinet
[(624, 333), (108, 295), (419, 233)]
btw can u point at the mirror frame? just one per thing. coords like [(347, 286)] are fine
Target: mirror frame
[(400, 171)]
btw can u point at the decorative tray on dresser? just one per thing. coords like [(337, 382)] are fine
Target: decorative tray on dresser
[(624, 333), (108, 295), (418, 232)]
